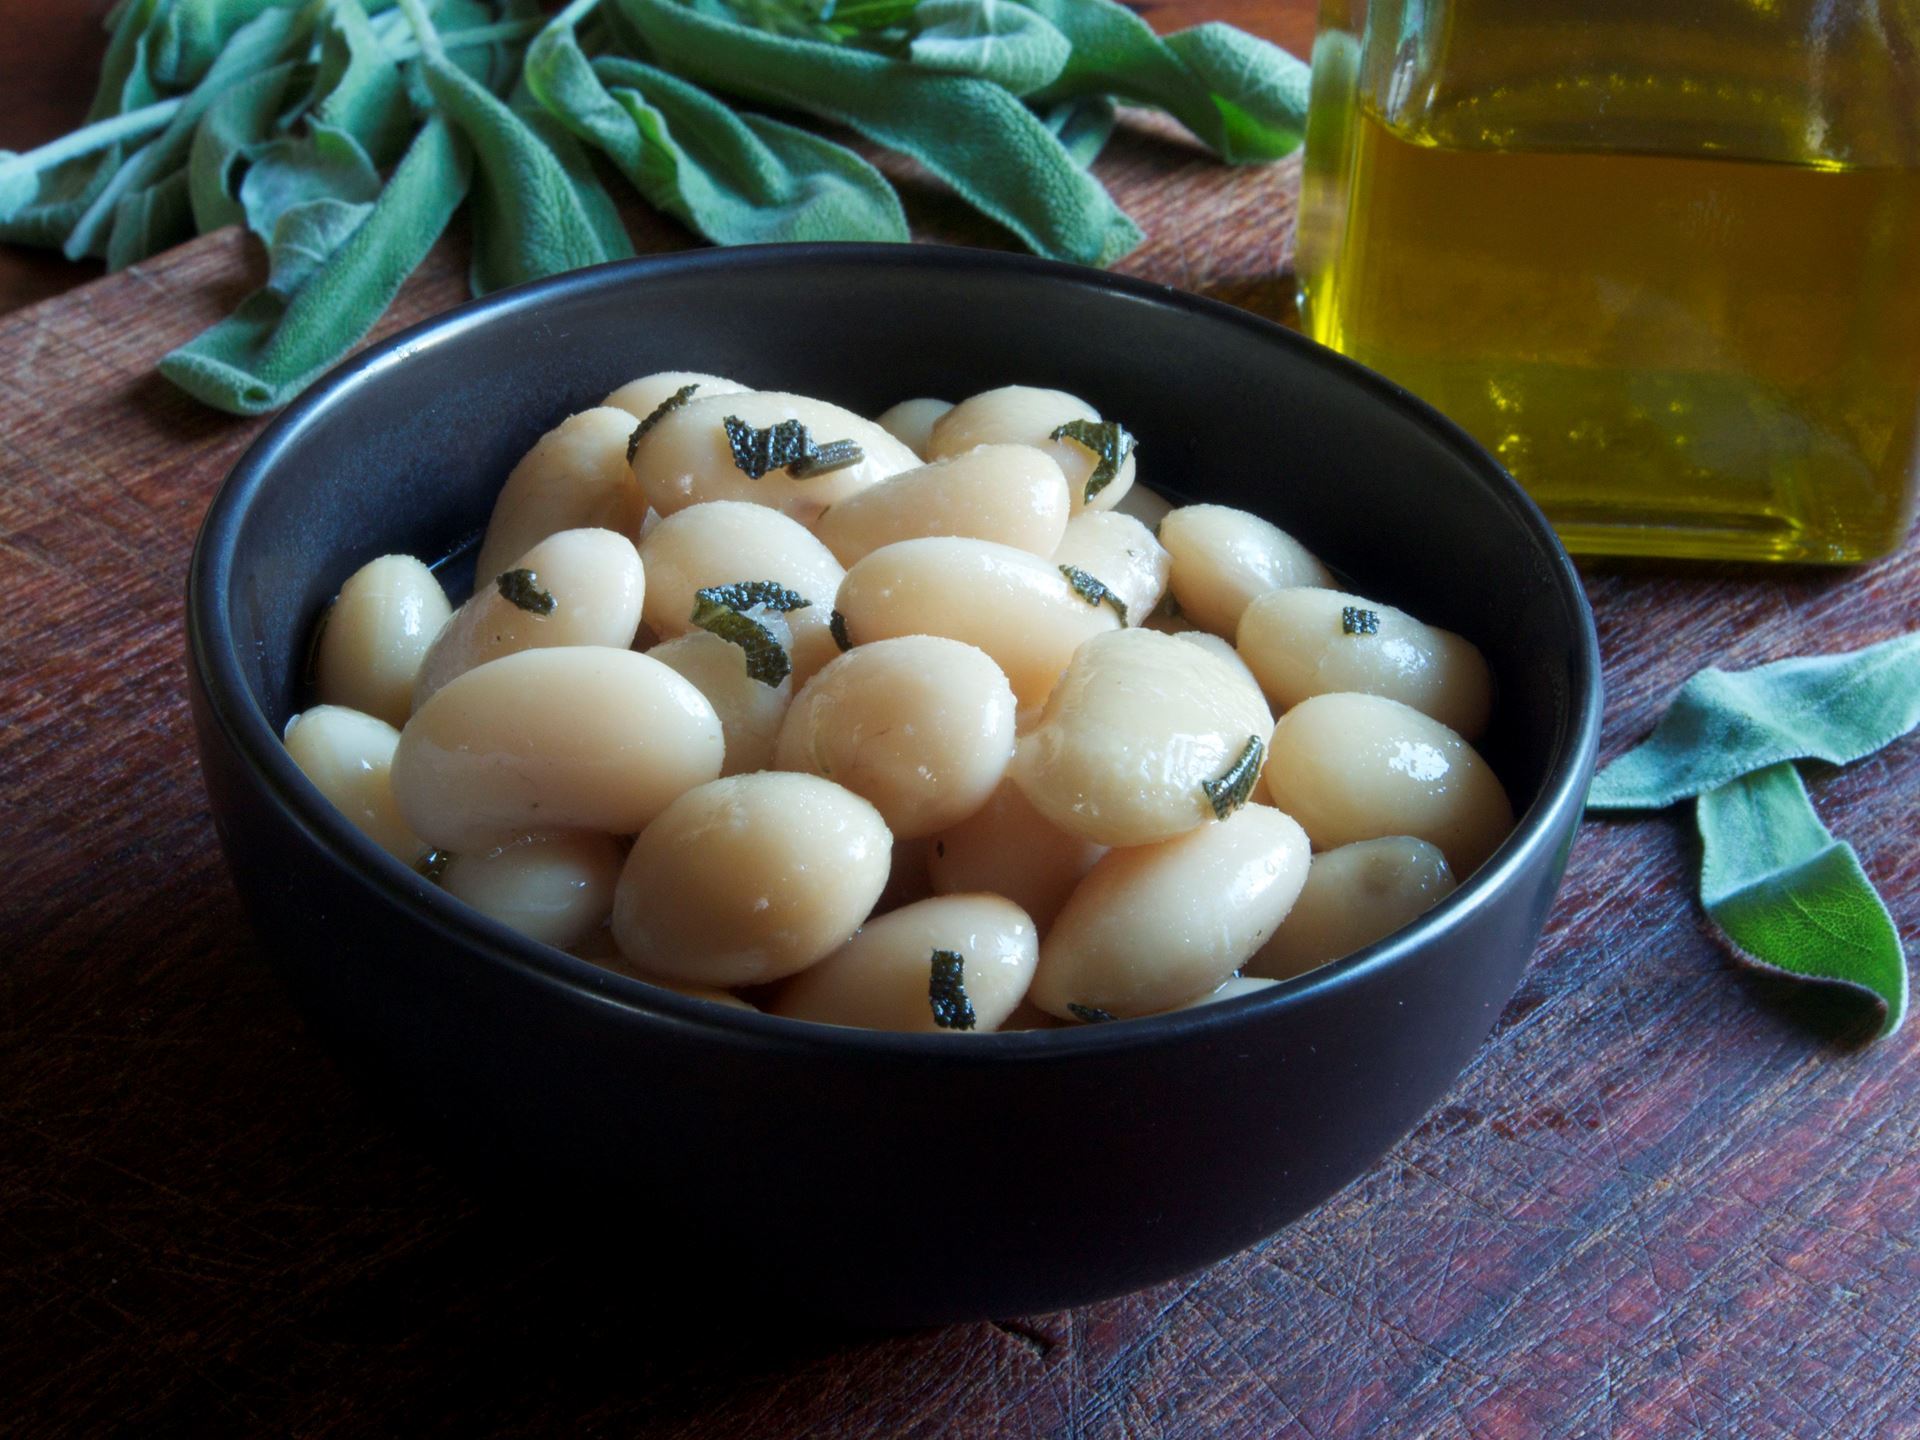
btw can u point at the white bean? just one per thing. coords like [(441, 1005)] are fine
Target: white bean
[(575, 477), (1136, 729), (1354, 895), (750, 711), (1121, 553), (1009, 848), (686, 459), (376, 635), (1147, 506), (349, 758), (554, 887), (1356, 767), (641, 397), (580, 738), (1233, 989), (911, 422), (1155, 926), (594, 580), (749, 879), (1215, 646), (1015, 606), (921, 726), (1010, 494), (1311, 641), (1224, 558), (882, 978), (1027, 415)]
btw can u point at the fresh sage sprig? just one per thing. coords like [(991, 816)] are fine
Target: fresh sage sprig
[(1781, 890)]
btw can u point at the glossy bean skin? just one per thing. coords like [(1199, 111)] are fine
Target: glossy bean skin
[(1136, 727), (1121, 553), (1009, 848), (597, 586), (1154, 926), (1010, 494), (750, 712), (574, 478), (686, 460), (349, 758), (880, 979), (921, 726), (1358, 767), (376, 636), (641, 397), (555, 887), (1016, 607), (1146, 505), (1027, 415), (1233, 989), (1355, 894), (578, 738), (911, 422), (749, 879), (1297, 645), (1224, 559), (1215, 646)]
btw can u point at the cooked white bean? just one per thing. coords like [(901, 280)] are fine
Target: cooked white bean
[(1015, 606), (686, 459), (594, 580), (1121, 553), (911, 422), (575, 477), (376, 635), (750, 711), (1214, 645), (750, 878), (1009, 848), (1011, 494), (1147, 506), (1354, 895), (1154, 926), (1224, 558), (555, 887), (1356, 767), (640, 398), (1027, 415), (922, 726), (1234, 988), (1311, 641), (349, 758), (580, 738), (882, 978), (1136, 728)]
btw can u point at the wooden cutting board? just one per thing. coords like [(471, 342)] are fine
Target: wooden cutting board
[(1668, 1198)]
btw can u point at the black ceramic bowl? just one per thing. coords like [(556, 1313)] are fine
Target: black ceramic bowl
[(886, 1178)]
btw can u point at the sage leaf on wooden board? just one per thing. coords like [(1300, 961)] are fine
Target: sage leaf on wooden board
[(233, 128), (1787, 896), (1724, 724), (1082, 126), (998, 40)]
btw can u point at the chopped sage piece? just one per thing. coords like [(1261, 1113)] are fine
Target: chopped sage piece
[(743, 595), (837, 627), (522, 588), (1093, 591), (947, 992), (1355, 621), (786, 446), (660, 412), (1092, 1014), (1110, 444), (433, 864), (1230, 791), (767, 662)]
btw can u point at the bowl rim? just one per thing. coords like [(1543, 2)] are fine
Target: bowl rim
[(247, 731)]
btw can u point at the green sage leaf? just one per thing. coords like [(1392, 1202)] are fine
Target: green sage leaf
[(767, 659), (997, 40), (147, 221), (1787, 896)]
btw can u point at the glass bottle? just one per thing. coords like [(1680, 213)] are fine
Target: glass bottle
[(1662, 257)]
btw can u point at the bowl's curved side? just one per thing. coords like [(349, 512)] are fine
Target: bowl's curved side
[(886, 1177)]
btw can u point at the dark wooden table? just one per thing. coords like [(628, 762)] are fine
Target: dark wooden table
[(1668, 1198)]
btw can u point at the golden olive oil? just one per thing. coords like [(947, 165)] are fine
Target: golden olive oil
[(1690, 354)]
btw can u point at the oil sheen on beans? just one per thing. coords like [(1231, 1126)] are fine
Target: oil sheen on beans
[(1681, 329)]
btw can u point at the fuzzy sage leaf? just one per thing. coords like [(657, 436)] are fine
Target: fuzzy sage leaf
[(744, 595), (522, 588), (1354, 620), (659, 412), (1228, 793), (1094, 592), (947, 992), (837, 627), (785, 445), (1088, 1014), (767, 659), (1107, 440)]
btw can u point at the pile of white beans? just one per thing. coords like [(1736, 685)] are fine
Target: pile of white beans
[(1025, 769)]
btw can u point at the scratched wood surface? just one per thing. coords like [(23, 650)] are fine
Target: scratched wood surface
[(1667, 1198)]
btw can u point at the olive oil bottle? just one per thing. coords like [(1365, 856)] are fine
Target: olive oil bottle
[(1665, 267)]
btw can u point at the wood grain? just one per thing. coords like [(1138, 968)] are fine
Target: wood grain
[(1667, 1199)]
